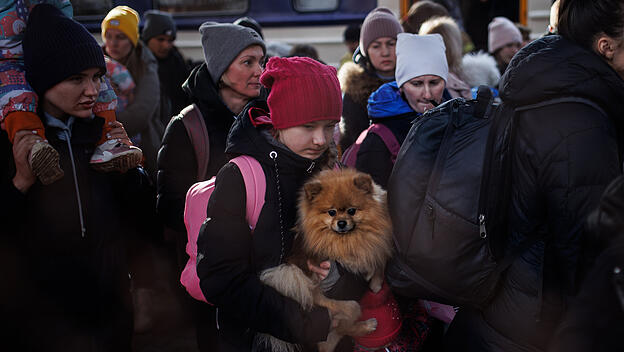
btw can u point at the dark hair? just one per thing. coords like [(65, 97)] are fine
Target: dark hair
[(582, 21), (304, 50), (421, 12), (352, 33)]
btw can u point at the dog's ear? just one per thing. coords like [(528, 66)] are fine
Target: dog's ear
[(364, 182), (312, 189)]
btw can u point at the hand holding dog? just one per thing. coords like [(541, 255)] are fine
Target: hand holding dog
[(321, 271)]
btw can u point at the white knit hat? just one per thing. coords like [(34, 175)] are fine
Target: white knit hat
[(419, 55), (501, 32)]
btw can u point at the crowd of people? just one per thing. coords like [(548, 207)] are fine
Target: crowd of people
[(97, 157)]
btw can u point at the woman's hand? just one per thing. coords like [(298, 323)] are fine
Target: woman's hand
[(118, 132), (22, 145), (321, 271)]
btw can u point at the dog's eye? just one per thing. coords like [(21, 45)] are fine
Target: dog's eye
[(331, 212), (351, 211)]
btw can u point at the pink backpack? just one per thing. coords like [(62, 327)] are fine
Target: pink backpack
[(195, 213), (349, 157)]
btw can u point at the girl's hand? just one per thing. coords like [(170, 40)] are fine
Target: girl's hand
[(321, 271), (22, 145)]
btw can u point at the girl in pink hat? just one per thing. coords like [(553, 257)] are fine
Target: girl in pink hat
[(290, 135)]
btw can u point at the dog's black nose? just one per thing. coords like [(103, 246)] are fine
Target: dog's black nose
[(342, 224)]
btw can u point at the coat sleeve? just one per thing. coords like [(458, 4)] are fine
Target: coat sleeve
[(227, 276), (177, 171), (137, 115), (375, 159)]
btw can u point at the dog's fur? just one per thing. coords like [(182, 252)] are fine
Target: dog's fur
[(342, 217)]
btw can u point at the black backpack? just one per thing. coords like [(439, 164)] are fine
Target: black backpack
[(448, 197)]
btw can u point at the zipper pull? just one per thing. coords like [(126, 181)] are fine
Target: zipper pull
[(311, 167), (482, 231)]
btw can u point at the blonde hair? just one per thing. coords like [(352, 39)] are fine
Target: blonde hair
[(448, 29)]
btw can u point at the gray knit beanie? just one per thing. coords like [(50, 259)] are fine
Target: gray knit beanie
[(157, 23), (222, 42), (380, 22)]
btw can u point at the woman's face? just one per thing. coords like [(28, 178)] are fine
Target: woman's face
[(506, 53), (160, 45), (75, 96), (309, 140), (618, 60), (382, 55), (116, 44), (419, 91), (243, 74)]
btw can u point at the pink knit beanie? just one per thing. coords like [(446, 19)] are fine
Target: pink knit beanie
[(302, 90), (380, 22), (501, 32)]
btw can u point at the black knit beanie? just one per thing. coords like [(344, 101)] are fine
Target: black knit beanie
[(157, 23), (57, 47)]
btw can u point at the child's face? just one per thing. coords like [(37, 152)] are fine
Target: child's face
[(309, 140), (75, 96), (117, 44)]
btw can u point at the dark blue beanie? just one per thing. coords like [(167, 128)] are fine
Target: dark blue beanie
[(57, 47)]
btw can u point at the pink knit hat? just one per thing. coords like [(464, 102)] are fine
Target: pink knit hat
[(380, 22), (302, 90), (501, 32)]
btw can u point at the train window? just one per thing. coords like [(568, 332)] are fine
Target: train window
[(92, 7), (315, 5), (220, 7)]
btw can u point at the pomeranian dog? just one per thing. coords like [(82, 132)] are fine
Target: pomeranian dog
[(343, 217)]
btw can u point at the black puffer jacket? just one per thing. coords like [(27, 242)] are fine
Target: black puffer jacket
[(564, 157), (595, 318), (374, 157), (177, 165), (73, 288), (230, 257)]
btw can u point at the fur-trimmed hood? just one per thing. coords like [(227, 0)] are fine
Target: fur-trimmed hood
[(357, 82), (480, 69)]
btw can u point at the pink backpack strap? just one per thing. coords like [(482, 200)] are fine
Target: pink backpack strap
[(388, 138), (255, 186), (198, 134)]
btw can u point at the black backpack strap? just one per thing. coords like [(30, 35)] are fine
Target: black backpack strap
[(198, 134), (562, 100)]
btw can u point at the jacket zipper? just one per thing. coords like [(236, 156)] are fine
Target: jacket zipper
[(83, 230)]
